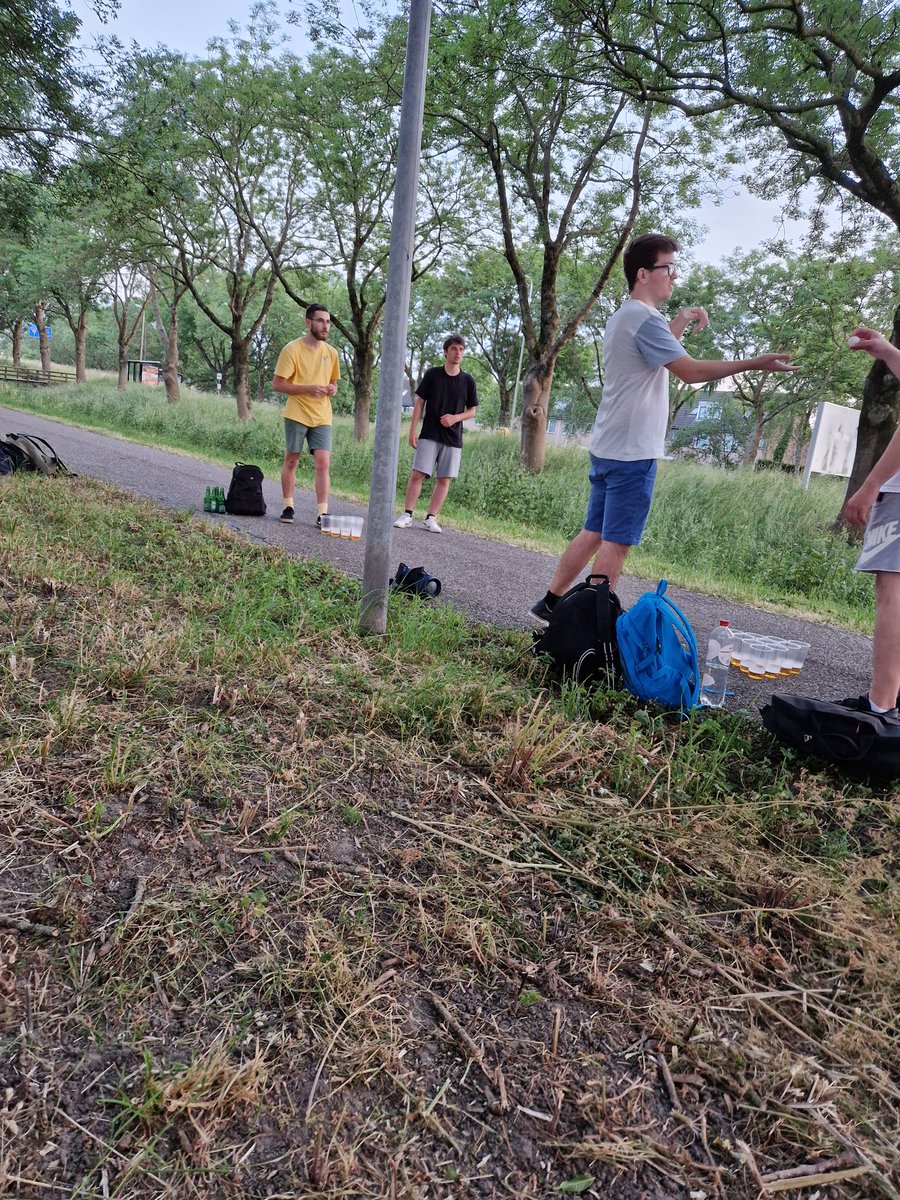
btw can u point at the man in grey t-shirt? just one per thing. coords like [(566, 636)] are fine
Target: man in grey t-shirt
[(639, 349)]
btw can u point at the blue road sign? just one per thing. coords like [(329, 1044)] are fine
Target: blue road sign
[(33, 331)]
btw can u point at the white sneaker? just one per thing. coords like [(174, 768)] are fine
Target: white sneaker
[(402, 521), (430, 523)]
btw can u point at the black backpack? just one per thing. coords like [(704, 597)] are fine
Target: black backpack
[(580, 637), (28, 452), (861, 743), (416, 581), (245, 494)]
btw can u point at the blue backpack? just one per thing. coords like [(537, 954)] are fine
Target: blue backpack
[(658, 652)]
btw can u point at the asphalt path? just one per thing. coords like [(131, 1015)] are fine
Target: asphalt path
[(488, 580)]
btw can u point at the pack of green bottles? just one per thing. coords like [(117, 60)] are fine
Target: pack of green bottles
[(214, 500)]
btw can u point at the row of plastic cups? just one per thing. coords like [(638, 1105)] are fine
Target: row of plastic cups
[(342, 527), (760, 656)]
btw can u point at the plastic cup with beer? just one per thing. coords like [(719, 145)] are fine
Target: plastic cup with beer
[(796, 652), (356, 528), (755, 655), (345, 527)]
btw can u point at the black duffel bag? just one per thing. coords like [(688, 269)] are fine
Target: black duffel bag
[(245, 494), (864, 744)]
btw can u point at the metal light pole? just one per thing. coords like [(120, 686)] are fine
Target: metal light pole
[(376, 567), (515, 403)]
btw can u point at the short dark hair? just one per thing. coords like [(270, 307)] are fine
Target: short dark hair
[(313, 309), (455, 339), (643, 252)]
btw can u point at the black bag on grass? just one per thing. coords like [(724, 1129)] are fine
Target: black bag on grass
[(416, 581), (580, 637), (861, 743), (28, 452), (245, 494)]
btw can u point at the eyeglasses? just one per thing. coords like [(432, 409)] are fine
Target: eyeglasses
[(670, 269)]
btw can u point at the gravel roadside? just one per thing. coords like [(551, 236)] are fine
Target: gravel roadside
[(488, 580)]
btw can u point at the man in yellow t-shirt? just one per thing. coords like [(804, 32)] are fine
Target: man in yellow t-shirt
[(307, 373)]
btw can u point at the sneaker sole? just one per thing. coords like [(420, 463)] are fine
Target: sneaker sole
[(538, 622), (286, 520)]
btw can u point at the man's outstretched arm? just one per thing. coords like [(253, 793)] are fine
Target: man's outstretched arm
[(708, 370)]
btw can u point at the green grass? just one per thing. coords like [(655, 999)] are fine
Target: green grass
[(286, 911), (754, 537)]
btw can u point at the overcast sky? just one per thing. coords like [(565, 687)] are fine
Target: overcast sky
[(187, 26)]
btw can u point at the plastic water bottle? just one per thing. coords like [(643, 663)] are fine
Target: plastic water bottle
[(715, 668)]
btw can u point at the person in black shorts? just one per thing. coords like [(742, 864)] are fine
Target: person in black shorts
[(446, 397)]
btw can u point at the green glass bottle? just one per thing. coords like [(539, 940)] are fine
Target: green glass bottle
[(221, 500), (207, 500)]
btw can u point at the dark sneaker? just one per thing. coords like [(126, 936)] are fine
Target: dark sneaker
[(861, 704), (540, 613), (287, 516)]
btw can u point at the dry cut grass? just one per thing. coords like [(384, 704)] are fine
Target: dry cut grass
[(287, 913)]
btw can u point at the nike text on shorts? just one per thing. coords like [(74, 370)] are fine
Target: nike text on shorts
[(881, 547), (619, 503)]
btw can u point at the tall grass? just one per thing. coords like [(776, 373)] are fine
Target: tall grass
[(747, 535)]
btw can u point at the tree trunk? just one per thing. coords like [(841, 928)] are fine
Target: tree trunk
[(751, 450), (170, 362), (44, 340), (505, 397), (240, 365), (878, 416), (17, 342), (536, 399), (80, 332), (362, 389), (122, 379)]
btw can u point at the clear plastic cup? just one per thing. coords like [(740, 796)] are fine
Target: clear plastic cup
[(325, 525), (780, 657), (356, 528), (755, 656), (737, 636), (745, 654), (345, 527), (796, 656), (774, 657)]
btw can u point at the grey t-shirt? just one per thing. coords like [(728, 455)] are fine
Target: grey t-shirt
[(633, 414)]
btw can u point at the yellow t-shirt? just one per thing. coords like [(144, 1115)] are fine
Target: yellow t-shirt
[(298, 363)]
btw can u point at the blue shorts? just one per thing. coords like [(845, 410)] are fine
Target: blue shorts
[(620, 498)]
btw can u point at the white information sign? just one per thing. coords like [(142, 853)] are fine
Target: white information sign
[(833, 442)]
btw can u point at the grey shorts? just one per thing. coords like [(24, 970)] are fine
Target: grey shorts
[(881, 547), (317, 437), (434, 458)]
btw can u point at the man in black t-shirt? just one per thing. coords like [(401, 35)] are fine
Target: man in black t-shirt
[(447, 397)]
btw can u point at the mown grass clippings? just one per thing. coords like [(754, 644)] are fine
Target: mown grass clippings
[(287, 912)]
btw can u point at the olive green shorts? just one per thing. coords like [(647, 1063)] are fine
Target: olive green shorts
[(317, 437)]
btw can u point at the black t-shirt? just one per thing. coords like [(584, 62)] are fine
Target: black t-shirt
[(442, 394)]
